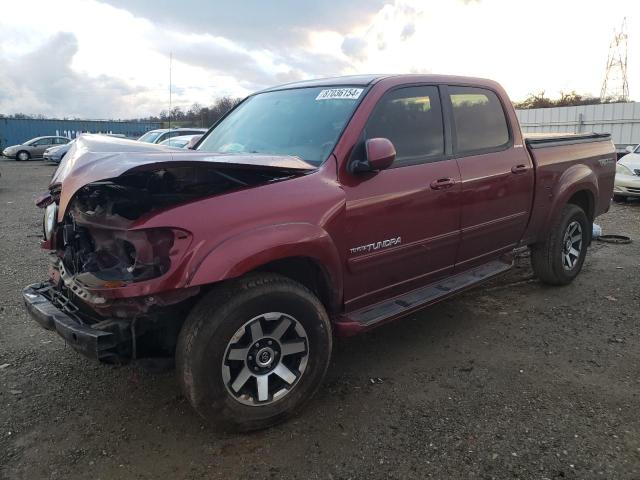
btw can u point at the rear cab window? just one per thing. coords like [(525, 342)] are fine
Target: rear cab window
[(411, 118), (479, 120)]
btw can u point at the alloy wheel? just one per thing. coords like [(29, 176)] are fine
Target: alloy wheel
[(265, 359), (572, 245)]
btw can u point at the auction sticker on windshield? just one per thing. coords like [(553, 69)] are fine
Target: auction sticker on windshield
[(339, 93)]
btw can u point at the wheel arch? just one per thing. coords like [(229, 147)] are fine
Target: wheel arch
[(578, 185), (300, 251)]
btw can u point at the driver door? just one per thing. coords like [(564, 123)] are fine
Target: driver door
[(402, 223)]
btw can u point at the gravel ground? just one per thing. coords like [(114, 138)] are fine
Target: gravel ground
[(511, 380)]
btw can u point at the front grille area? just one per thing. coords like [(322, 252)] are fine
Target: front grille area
[(63, 299), (633, 190)]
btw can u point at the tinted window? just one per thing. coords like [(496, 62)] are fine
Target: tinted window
[(412, 119), (479, 120)]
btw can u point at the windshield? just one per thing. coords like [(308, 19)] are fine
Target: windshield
[(149, 137), (304, 122)]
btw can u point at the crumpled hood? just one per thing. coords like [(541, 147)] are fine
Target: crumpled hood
[(98, 157)]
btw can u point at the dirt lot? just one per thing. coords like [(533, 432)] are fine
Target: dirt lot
[(512, 380)]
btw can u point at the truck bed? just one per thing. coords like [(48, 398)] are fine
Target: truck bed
[(543, 140), (569, 159)]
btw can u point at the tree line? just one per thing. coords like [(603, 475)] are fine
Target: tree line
[(198, 115), (571, 99)]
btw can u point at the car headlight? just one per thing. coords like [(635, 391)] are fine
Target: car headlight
[(623, 170), (49, 220)]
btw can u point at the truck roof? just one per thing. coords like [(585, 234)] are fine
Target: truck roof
[(365, 80)]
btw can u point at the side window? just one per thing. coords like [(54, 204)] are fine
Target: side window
[(480, 124), (412, 119), (61, 141)]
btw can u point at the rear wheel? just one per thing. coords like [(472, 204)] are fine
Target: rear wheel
[(23, 156), (252, 352), (559, 258)]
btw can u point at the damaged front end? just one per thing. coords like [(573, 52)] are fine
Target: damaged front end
[(118, 291)]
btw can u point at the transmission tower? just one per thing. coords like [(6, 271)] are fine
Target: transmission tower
[(615, 83)]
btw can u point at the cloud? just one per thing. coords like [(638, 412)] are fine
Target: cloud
[(408, 30), (355, 47), (256, 23), (43, 82)]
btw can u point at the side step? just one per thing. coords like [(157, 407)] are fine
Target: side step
[(423, 296)]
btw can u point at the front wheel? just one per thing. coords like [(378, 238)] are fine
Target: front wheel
[(252, 352), (558, 259), (23, 156)]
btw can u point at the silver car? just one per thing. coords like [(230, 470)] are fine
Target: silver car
[(162, 134), (33, 148), (183, 141), (627, 182)]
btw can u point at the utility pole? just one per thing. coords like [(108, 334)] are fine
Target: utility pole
[(615, 85), (170, 62)]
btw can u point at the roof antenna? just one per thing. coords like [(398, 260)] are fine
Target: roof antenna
[(170, 62)]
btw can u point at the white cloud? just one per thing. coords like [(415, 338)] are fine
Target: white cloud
[(527, 46), (109, 58)]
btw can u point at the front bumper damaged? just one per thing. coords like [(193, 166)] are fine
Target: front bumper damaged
[(107, 340)]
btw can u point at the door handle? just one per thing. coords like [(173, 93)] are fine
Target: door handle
[(519, 169), (443, 183)]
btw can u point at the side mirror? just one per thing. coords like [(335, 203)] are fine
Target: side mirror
[(380, 155), (630, 148)]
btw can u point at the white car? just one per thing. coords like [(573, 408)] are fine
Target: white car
[(627, 182)]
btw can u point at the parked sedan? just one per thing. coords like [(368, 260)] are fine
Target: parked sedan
[(33, 148), (57, 152), (628, 175), (162, 134), (183, 141)]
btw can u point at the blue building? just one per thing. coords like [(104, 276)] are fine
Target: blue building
[(14, 131)]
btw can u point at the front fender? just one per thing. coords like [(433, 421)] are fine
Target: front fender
[(247, 251)]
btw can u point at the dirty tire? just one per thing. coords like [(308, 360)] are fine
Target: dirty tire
[(209, 328), (22, 156), (547, 256)]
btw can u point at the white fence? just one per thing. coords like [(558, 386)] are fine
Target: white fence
[(621, 120)]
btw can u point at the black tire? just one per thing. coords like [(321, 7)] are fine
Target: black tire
[(547, 257), (207, 334), (619, 198), (28, 156)]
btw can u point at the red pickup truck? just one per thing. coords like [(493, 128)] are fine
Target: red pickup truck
[(312, 209)]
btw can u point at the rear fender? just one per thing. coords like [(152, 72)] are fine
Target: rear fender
[(247, 251), (575, 179)]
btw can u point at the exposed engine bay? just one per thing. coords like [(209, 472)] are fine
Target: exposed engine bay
[(94, 241)]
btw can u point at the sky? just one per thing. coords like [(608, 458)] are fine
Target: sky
[(110, 58)]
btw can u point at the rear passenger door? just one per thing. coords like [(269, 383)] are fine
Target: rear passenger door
[(402, 223), (497, 178)]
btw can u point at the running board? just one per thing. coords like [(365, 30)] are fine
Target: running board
[(421, 297)]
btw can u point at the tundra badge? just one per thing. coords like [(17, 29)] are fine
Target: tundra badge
[(370, 247)]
